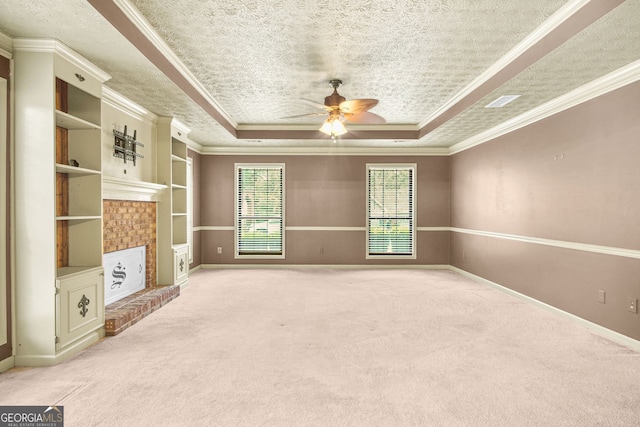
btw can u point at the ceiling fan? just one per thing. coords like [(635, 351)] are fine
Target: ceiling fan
[(339, 110)]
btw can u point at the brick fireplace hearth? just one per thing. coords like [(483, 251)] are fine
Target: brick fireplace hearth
[(129, 224)]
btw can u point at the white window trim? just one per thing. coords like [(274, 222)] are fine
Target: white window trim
[(236, 224), (414, 167)]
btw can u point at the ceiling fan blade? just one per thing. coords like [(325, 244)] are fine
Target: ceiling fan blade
[(365, 117), (304, 115), (316, 104), (355, 106)]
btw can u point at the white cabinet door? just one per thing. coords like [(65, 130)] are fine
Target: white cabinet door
[(80, 305), (181, 264)]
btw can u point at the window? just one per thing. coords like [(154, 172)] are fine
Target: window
[(259, 210), (390, 210)]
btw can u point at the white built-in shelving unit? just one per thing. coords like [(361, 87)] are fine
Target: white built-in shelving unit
[(173, 251), (58, 189)]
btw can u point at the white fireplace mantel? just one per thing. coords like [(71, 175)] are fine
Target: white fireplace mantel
[(122, 189)]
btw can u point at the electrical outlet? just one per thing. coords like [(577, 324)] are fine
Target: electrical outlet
[(632, 305), (601, 297), (219, 249), (321, 251)]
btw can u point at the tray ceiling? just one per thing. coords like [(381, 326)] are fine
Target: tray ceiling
[(232, 70)]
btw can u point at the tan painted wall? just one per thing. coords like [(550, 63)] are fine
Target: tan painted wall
[(324, 191), (573, 178)]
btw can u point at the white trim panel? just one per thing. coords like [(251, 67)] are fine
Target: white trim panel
[(586, 247), (320, 228), (121, 189), (433, 228), (214, 228), (310, 228)]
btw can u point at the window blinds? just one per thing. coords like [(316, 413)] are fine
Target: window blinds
[(259, 210), (390, 210)]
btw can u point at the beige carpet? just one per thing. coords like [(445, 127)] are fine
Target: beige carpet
[(342, 348)]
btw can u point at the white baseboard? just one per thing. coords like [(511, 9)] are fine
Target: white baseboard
[(594, 327), (7, 364), (65, 354), (325, 266), (194, 269), (184, 285)]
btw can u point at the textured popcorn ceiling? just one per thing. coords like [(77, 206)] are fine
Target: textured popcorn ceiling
[(257, 58), (610, 43)]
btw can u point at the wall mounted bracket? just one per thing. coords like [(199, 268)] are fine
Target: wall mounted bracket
[(125, 146)]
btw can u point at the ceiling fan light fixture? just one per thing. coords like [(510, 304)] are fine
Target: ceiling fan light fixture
[(326, 127), (338, 128), (333, 127)]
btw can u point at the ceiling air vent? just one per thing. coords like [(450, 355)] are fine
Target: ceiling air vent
[(502, 101)]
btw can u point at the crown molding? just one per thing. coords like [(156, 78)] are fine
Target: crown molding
[(175, 123), (194, 146), (610, 82), (314, 127), (324, 151), (561, 15), (141, 23), (121, 103), (5, 45), (567, 21), (59, 48), (181, 127)]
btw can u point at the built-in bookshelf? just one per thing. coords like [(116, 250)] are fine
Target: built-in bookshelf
[(78, 180), (59, 190), (172, 212)]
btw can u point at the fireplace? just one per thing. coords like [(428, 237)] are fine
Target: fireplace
[(131, 224), (124, 273)]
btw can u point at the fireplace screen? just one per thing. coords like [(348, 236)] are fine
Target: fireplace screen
[(124, 273)]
